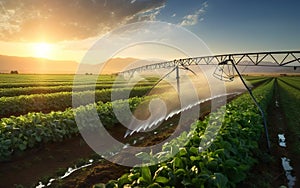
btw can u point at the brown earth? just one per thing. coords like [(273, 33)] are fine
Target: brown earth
[(42, 162), (269, 171), (105, 170), (278, 125)]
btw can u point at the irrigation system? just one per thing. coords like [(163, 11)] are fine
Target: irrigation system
[(226, 66)]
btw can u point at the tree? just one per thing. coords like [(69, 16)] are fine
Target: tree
[(14, 72)]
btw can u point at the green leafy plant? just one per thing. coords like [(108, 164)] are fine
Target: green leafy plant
[(224, 164), (20, 133)]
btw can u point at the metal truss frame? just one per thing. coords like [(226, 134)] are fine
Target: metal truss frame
[(253, 59), (270, 59)]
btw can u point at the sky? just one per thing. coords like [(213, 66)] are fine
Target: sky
[(69, 29)]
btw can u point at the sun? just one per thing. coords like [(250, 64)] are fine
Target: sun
[(42, 50)]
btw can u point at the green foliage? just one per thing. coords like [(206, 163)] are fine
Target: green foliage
[(46, 103), (293, 82), (22, 132), (64, 87), (288, 88), (12, 85), (255, 80), (225, 163), (43, 80)]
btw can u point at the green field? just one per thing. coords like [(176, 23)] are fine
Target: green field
[(37, 110), (289, 89)]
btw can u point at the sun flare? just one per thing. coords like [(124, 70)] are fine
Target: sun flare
[(42, 50)]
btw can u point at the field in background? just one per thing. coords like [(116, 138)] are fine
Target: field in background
[(36, 112)]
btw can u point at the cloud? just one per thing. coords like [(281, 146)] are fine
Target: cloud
[(193, 19), (173, 15), (62, 20), (147, 15)]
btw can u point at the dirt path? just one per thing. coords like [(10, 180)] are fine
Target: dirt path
[(104, 171), (278, 125), (43, 162)]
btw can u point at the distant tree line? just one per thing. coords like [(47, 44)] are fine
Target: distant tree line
[(14, 72)]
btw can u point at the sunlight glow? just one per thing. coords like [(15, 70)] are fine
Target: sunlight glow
[(42, 50)]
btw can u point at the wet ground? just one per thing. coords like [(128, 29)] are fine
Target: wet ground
[(48, 160), (273, 170)]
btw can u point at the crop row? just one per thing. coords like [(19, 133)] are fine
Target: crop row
[(224, 163), (22, 132), (16, 91), (291, 78), (45, 103), (291, 81), (4, 85), (32, 78), (259, 81), (290, 102), (23, 81)]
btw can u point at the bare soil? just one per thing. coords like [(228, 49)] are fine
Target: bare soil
[(42, 162), (269, 172), (278, 125), (28, 168)]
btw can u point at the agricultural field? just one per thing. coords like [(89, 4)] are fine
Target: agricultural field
[(40, 143)]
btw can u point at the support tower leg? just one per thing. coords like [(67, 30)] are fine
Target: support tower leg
[(178, 79)]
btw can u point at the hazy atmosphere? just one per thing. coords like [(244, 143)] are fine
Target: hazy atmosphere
[(149, 93), (65, 30)]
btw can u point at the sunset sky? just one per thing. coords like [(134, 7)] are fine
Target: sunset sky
[(66, 29)]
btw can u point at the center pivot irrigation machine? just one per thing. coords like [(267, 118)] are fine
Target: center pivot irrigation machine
[(226, 67)]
